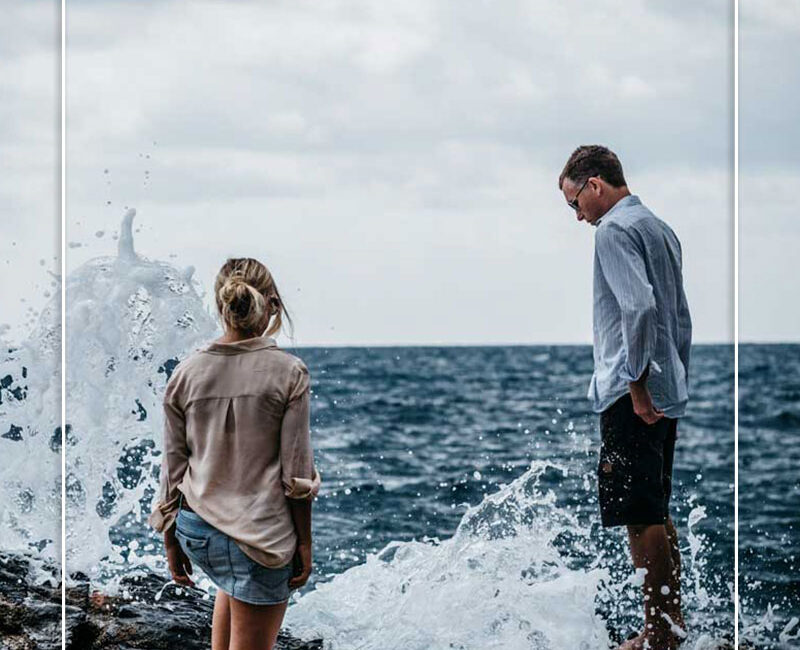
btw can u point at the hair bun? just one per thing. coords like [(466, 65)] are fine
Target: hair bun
[(247, 298), (243, 307)]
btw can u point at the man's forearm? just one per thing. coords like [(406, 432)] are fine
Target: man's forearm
[(301, 516), (642, 381)]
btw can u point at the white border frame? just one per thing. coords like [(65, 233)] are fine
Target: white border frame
[(735, 42), (63, 325), (736, 323)]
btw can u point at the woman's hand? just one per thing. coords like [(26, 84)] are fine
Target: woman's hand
[(302, 560), (179, 564), (301, 517)]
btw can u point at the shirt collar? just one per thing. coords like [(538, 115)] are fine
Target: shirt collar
[(245, 345), (625, 201)]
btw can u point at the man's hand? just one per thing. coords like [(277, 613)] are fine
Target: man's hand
[(180, 567), (643, 403), (303, 560)]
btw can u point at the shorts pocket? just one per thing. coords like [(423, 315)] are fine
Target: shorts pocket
[(195, 547), (615, 489), (269, 576)]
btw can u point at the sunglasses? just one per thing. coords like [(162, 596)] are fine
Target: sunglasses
[(574, 203)]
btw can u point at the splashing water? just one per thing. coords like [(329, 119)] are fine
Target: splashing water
[(499, 582), (30, 438), (521, 570), (770, 631), (127, 320)]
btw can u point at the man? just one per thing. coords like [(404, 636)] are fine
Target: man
[(642, 336)]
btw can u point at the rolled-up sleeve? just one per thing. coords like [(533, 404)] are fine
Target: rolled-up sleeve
[(174, 462), (623, 266), (298, 474)]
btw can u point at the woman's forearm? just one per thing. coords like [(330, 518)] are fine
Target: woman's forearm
[(301, 516), (169, 536)]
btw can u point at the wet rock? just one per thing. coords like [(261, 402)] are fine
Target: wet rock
[(148, 615), (30, 614)]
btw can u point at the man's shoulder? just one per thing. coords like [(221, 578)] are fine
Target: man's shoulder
[(631, 213), (636, 218)]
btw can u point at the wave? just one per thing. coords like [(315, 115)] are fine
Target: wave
[(520, 572)]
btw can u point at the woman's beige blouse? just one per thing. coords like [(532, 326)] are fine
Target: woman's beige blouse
[(237, 445)]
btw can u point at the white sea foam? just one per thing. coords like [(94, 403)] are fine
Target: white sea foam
[(126, 318), (508, 579), (499, 582), (30, 439), (771, 630)]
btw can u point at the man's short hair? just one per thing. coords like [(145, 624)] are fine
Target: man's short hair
[(593, 160)]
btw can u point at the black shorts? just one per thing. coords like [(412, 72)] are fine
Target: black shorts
[(634, 474)]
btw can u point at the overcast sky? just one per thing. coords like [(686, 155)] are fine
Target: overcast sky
[(769, 105), (396, 163), (30, 159)]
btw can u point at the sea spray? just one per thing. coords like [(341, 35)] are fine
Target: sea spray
[(504, 580), (30, 438), (770, 630), (128, 320), (520, 572)]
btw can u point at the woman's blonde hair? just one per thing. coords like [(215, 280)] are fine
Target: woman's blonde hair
[(247, 297)]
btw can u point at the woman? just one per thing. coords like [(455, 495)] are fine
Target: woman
[(237, 476)]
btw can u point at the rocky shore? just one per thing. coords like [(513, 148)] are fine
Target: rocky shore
[(147, 617)]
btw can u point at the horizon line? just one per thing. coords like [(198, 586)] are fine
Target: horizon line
[(497, 345)]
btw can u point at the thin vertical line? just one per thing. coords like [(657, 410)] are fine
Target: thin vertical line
[(736, 319), (63, 328)]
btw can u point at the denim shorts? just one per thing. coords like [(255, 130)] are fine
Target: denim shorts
[(227, 566)]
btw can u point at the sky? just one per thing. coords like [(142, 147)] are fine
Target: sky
[(395, 164), (30, 161), (769, 78)]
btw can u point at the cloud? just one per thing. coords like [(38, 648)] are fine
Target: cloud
[(769, 82), (769, 141), (770, 239), (398, 149), (30, 161)]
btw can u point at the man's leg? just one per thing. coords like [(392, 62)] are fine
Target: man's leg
[(651, 550), (674, 609), (635, 483)]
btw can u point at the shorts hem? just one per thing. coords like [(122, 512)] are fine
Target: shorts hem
[(615, 523), (251, 601)]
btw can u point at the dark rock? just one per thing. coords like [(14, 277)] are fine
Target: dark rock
[(30, 614)]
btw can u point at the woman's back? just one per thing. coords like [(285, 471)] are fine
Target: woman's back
[(237, 475), (240, 412)]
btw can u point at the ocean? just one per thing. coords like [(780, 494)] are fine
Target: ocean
[(769, 494), (410, 442), (459, 505)]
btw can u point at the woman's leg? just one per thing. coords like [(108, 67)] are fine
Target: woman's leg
[(221, 622), (254, 627)]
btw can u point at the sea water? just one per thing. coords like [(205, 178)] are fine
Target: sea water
[(459, 504), (769, 494)]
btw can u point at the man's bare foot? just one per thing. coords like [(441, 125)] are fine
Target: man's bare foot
[(676, 626), (652, 641), (635, 643)]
